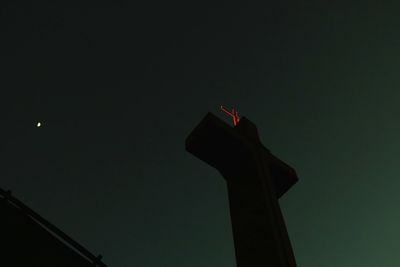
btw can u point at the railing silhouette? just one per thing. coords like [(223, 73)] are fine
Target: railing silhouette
[(49, 227)]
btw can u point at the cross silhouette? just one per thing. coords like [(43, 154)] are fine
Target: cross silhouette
[(255, 179)]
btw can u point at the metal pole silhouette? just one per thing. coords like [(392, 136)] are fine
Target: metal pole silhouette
[(256, 179)]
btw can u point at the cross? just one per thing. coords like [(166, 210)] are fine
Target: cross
[(255, 179)]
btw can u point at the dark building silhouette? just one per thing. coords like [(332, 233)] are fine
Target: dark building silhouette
[(256, 179), (28, 240)]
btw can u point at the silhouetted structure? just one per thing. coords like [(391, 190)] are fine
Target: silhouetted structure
[(28, 240), (255, 180)]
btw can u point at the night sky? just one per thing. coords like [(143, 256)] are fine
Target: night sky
[(118, 87)]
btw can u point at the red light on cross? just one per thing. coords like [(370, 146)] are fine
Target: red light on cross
[(233, 113)]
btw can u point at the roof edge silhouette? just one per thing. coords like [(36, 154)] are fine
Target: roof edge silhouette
[(51, 229)]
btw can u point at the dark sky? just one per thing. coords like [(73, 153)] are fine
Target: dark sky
[(118, 86)]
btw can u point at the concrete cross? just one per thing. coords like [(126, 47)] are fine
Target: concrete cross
[(256, 179)]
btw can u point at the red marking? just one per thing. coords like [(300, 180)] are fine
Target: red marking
[(234, 114)]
